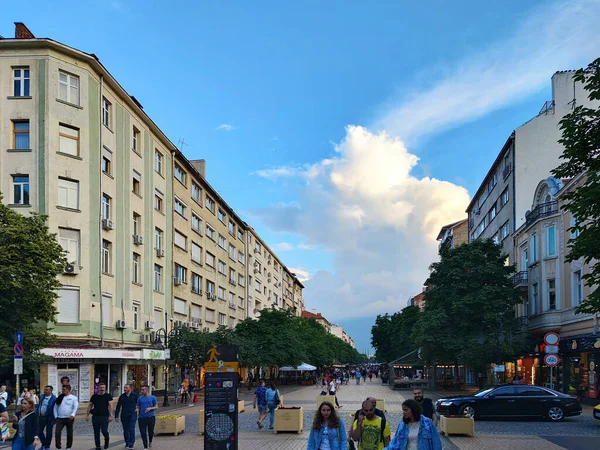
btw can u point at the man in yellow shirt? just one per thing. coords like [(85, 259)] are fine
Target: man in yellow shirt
[(372, 432)]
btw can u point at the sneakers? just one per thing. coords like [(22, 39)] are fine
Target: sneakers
[(106, 441), (260, 425)]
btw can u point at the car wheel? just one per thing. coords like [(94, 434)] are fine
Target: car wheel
[(467, 410), (555, 414)]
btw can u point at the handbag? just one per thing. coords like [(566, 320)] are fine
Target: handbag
[(4, 431), (277, 400)]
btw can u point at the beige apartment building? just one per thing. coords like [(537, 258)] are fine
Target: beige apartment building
[(265, 275), (454, 234), (292, 292)]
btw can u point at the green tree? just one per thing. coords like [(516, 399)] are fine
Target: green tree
[(188, 347), (393, 336), (469, 313), (30, 261), (581, 141)]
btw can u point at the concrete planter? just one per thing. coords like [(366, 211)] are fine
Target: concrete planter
[(457, 425), (241, 406), (289, 419), (201, 422), (170, 425)]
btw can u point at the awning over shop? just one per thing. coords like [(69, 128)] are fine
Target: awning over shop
[(302, 368)]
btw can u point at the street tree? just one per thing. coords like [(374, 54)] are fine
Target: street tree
[(581, 155), (393, 336), (30, 261)]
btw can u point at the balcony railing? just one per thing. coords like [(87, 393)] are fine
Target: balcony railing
[(547, 108), (541, 210), (520, 278)]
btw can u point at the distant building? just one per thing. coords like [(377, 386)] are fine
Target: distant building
[(339, 331), (318, 317), (455, 234), (418, 300)]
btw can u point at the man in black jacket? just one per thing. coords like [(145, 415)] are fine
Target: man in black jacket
[(426, 403), (126, 406)]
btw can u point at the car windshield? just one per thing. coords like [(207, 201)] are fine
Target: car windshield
[(483, 391)]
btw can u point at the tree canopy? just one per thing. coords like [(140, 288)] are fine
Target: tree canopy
[(581, 141), (392, 336)]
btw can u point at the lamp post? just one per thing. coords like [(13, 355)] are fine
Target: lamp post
[(162, 340)]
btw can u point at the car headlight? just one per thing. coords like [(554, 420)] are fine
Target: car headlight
[(446, 403)]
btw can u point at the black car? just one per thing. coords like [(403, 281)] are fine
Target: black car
[(511, 400)]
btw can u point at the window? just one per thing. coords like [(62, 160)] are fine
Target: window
[(577, 288), (158, 239), (222, 216), (68, 88), (69, 241), (196, 253), (136, 316), (572, 225), (210, 204), (68, 305), (106, 112), (241, 280), (21, 135), (492, 183), (210, 259), (534, 299), (136, 268), (258, 286), (231, 299), (504, 231), (136, 182), (524, 259), (180, 207), (551, 295), (275, 299), (21, 82), (157, 278), (179, 174), (482, 225), (231, 322), (181, 273), (241, 258), (158, 162), (196, 283), (231, 228), (179, 306), (210, 286), (257, 247), (504, 197), (137, 224), (551, 241), (534, 248), (507, 391), (68, 140), (530, 391), (232, 276), (492, 212), (196, 313), (106, 248), (196, 193), (196, 223), (107, 311), (68, 193), (158, 200), (158, 318), (241, 302), (210, 232), (222, 268), (221, 293), (106, 161), (222, 242), (240, 235), (135, 139), (180, 240), (210, 316), (232, 252), (221, 319), (106, 206), (257, 266), (496, 239)]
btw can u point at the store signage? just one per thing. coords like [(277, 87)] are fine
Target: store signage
[(68, 354), (580, 344), (499, 368), (221, 358), (551, 360), (155, 354)]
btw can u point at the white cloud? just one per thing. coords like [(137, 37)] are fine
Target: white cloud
[(225, 127), (365, 204), (282, 247), (301, 274)]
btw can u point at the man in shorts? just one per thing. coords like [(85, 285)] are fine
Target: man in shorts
[(260, 398)]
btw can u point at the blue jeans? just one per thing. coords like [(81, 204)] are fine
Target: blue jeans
[(128, 423), (100, 423), (18, 444), (272, 407), (358, 381)]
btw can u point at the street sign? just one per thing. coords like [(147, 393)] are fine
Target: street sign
[(221, 411), (551, 360), (18, 348), (18, 366), (18, 337), (551, 348), (551, 338)]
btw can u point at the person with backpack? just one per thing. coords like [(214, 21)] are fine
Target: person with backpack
[(372, 432), (273, 401), (327, 431), (415, 430), (378, 413)]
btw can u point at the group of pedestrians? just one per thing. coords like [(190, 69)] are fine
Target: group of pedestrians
[(267, 401)]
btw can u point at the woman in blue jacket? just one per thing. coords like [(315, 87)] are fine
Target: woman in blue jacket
[(415, 432), (27, 427), (327, 431)]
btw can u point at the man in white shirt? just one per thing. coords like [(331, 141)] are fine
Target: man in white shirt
[(65, 410), (3, 396)]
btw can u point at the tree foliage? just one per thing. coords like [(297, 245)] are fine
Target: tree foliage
[(30, 261), (393, 336), (581, 141)]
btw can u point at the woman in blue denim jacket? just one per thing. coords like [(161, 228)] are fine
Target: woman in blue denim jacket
[(327, 432), (415, 432)]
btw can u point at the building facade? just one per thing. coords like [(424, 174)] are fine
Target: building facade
[(338, 330), (454, 234)]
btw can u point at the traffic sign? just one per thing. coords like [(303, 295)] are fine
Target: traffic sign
[(18, 366), (18, 348), (551, 348), (18, 337), (551, 360), (551, 338)]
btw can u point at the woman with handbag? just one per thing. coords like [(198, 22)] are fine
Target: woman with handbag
[(27, 427), (273, 401), (327, 431)]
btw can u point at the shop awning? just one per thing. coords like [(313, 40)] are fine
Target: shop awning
[(302, 368)]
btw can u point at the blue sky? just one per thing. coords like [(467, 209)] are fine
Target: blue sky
[(287, 102)]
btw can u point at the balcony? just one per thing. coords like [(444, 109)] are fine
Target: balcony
[(520, 279), (540, 211)]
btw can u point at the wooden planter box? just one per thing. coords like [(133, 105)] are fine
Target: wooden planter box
[(170, 425), (325, 398), (241, 406), (289, 419), (201, 422), (457, 425), (380, 404)]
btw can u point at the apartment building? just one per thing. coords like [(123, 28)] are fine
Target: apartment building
[(552, 288), (209, 256), (298, 299), (528, 155), (338, 330), (454, 234), (77, 147), (292, 292), (313, 314)]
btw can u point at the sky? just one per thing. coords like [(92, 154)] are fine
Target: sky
[(347, 133)]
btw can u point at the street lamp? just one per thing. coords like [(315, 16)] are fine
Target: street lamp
[(160, 337)]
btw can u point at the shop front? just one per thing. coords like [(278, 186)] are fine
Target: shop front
[(581, 356)]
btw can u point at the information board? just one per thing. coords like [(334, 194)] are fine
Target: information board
[(221, 411)]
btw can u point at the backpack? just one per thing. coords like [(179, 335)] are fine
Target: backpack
[(277, 400)]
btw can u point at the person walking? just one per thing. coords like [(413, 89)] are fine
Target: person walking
[(372, 432), (146, 405), (415, 431), (3, 396), (378, 413), (273, 400), (357, 375), (327, 431), (126, 407), (65, 409), (364, 375), (426, 404), (260, 399), (27, 427), (101, 408), (332, 391), (45, 411)]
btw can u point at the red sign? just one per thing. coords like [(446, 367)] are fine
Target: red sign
[(552, 338), (18, 348), (551, 360)]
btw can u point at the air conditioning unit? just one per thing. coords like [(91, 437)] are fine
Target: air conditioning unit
[(160, 253), (149, 325), (178, 323), (71, 269), (177, 281), (108, 224), (121, 324), (138, 239), (196, 325), (205, 329), (144, 338), (213, 296), (187, 325)]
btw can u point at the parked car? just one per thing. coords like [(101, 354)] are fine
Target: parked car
[(511, 400), (596, 413)]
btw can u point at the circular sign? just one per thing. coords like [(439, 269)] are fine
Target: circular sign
[(18, 349), (552, 338), (551, 360)]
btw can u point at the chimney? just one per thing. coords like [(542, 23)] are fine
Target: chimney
[(200, 166), (22, 32)]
